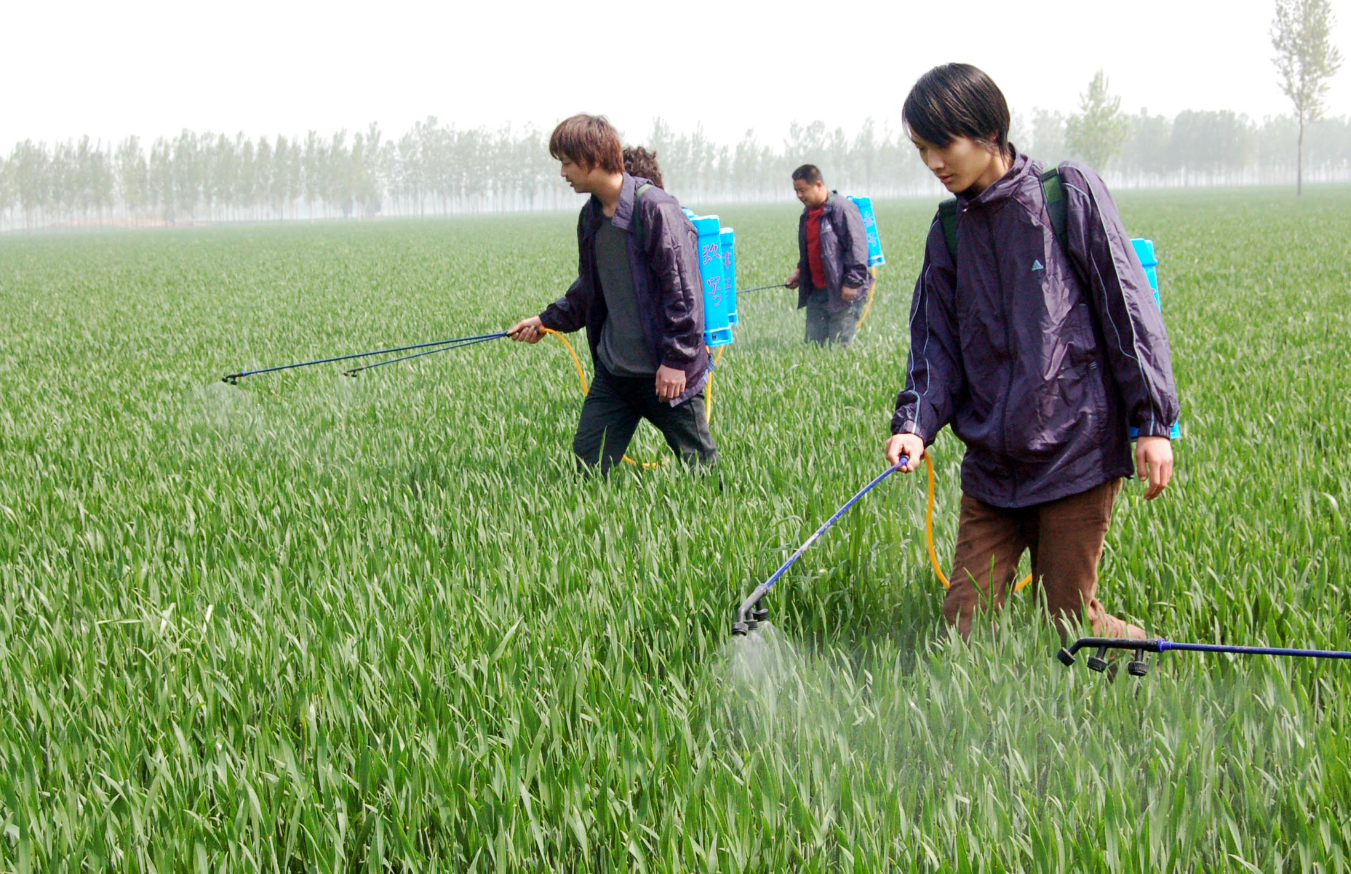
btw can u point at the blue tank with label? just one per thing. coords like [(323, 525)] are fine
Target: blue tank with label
[(729, 273), (865, 206), (717, 328), (1144, 250)]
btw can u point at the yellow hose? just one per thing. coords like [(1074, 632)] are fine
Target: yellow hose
[(708, 398), (581, 375), (586, 390), (872, 292), (929, 513), (929, 531)]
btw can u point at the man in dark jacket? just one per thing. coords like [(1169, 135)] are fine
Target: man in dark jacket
[(1091, 355), (1041, 348), (832, 276), (640, 298)]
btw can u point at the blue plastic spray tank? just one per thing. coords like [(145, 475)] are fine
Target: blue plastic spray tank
[(1144, 250), (865, 206), (717, 328), (729, 273)]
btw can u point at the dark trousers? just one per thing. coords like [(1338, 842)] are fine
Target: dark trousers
[(611, 413), (827, 326), (1065, 538)]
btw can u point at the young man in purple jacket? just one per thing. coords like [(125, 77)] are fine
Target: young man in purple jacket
[(640, 298), (832, 276), (1040, 354)]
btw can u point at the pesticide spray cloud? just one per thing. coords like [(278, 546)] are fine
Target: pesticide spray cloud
[(762, 670)]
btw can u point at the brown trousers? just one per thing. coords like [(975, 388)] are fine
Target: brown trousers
[(1065, 537)]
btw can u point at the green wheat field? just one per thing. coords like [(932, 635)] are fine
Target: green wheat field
[(320, 623)]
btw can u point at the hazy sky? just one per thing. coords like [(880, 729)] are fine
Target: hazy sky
[(110, 69)]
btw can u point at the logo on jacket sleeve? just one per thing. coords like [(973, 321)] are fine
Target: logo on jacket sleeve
[(1036, 265)]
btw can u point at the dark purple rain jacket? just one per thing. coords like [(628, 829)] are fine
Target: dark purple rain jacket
[(844, 252), (1038, 371), (665, 267)]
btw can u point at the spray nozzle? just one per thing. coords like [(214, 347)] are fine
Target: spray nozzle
[(749, 615), (1137, 667)]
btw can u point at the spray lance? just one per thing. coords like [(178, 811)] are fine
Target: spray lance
[(459, 344), (433, 346), (750, 614)]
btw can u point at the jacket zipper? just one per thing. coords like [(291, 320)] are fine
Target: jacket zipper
[(1006, 295)]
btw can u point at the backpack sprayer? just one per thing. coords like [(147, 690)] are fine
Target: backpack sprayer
[(717, 273), (875, 256)]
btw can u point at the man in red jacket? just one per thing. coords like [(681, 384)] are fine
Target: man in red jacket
[(832, 275)]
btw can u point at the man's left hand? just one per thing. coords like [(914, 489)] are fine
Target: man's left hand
[(848, 294), (670, 382)]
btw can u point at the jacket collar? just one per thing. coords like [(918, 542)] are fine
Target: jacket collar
[(832, 201), (623, 216), (1002, 190)]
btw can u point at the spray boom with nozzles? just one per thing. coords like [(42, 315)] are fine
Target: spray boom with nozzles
[(1138, 667)]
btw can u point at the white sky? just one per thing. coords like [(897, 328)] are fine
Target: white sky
[(110, 69)]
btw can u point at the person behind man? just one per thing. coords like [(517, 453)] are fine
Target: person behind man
[(639, 296), (639, 162), (832, 275)]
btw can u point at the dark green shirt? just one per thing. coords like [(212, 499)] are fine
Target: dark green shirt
[(622, 348)]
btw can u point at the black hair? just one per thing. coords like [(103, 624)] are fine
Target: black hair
[(809, 173), (958, 100)]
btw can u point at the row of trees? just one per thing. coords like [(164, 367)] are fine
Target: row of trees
[(440, 169), (435, 169), (1194, 147)]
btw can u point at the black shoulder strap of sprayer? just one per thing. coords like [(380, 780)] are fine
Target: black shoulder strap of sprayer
[(947, 215), (638, 213), (1056, 205)]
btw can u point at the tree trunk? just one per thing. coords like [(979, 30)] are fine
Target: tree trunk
[(1299, 161)]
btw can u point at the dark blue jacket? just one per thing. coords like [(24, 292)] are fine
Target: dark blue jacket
[(665, 265), (844, 252), (1039, 358)]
